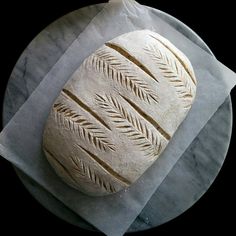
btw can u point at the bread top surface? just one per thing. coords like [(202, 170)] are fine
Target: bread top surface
[(117, 113)]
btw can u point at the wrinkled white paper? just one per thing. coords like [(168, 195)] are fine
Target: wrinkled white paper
[(20, 141)]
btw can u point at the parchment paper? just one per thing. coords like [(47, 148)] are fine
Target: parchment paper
[(20, 141)]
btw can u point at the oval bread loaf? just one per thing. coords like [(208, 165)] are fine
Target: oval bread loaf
[(118, 112)]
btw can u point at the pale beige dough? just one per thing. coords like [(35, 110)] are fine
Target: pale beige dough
[(118, 112)]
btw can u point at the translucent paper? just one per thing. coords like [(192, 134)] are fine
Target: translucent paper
[(20, 141)]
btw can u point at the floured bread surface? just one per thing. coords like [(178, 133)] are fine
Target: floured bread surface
[(118, 112)]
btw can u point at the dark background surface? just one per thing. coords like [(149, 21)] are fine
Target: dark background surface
[(213, 213)]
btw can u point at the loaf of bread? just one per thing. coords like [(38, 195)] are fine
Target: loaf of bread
[(117, 113)]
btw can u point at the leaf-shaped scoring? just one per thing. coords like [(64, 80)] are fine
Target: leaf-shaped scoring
[(174, 72), (105, 62), (78, 123), (130, 125), (86, 171)]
